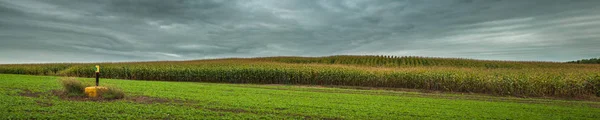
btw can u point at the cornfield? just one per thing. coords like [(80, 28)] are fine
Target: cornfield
[(442, 74)]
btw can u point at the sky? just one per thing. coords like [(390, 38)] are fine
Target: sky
[(42, 31)]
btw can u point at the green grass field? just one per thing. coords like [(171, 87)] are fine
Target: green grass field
[(30, 97)]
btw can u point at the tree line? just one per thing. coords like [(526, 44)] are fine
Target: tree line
[(587, 61)]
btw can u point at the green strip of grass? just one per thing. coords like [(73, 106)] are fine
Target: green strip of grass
[(192, 100)]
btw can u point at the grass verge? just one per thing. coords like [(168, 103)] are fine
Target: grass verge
[(75, 88)]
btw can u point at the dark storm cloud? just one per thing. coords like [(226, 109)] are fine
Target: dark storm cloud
[(127, 30)]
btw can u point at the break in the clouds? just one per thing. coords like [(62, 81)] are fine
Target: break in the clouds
[(136, 30)]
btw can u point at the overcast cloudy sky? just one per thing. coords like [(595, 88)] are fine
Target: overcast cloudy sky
[(133, 30)]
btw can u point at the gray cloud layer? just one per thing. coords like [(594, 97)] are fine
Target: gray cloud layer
[(131, 30)]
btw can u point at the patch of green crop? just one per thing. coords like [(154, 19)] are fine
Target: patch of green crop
[(192, 100)]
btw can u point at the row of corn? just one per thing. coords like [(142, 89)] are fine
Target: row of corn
[(534, 81)]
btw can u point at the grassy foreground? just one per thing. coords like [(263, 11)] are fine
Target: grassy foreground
[(192, 100)]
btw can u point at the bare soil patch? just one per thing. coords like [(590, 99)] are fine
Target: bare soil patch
[(44, 103), (64, 96), (29, 93), (151, 100)]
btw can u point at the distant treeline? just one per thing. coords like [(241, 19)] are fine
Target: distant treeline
[(587, 61)]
